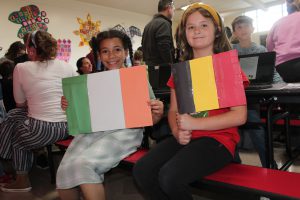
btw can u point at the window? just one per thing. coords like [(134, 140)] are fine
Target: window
[(264, 20)]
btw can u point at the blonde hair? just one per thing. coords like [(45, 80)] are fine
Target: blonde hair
[(221, 42)]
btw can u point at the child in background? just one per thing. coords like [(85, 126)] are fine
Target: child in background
[(242, 29), (138, 58), (91, 155), (200, 146)]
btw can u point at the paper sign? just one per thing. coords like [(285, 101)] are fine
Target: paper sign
[(209, 83), (109, 100)]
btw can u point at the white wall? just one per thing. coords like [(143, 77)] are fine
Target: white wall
[(63, 21)]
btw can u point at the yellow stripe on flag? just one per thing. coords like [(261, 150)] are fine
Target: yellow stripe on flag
[(203, 83)]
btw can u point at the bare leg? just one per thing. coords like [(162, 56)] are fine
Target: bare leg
[(69, 194), (93, 191)]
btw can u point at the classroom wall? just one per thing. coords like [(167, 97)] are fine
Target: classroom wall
[(63, 21)]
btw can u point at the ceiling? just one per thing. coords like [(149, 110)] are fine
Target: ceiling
[(149, 7)]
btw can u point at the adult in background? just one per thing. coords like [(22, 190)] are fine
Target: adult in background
[(38, 121), (84, 66), (284, 39), (157, 40)]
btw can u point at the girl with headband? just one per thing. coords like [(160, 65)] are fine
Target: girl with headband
[(202, 145)]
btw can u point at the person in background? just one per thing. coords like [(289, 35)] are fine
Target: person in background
[(157, 40), (242, 27), (6, 71), (93, 56), (91, 155), (15, 50), (38, 119), (138, 58), (84, 66), (204, 142), (283, 38)]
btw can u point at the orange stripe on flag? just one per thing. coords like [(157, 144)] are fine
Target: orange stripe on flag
[(135, 94)]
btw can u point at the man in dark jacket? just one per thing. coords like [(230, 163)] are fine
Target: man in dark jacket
[(157, 42)]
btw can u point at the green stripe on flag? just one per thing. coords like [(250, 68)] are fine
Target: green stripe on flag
[(78, 112)]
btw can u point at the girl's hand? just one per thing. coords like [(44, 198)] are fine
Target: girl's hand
[(183, 137), (184, 121), (157, 110), (64, 103)]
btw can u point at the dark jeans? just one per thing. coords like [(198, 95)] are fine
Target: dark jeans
[(168, 169), (290, 70)]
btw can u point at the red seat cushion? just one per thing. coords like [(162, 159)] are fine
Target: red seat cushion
[(134, 157), (64, 143), (270, 180)]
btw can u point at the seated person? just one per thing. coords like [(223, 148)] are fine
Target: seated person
[(38, 121), (242, 29), (138, 58), (84, 66), (91, 155), (284, 39), (6, 71)]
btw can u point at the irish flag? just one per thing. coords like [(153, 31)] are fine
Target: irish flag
[(109, 100), (209, 83)]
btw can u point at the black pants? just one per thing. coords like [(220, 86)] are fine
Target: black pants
[(290, 70), (168, 169)]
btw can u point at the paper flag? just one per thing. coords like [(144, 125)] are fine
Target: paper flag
[(109, 100), (209, 83)]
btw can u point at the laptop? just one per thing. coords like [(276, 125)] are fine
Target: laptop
[(159, 76), (259, 69)]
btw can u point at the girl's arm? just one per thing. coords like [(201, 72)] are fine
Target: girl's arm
[(64, 103), (157, 110), (236, 116), (183, 136)]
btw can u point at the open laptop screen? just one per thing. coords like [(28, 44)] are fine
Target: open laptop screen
[(259, 67)]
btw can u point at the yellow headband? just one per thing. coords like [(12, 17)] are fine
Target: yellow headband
[(210, 9)]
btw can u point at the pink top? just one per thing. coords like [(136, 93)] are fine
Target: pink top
[(284, 38)]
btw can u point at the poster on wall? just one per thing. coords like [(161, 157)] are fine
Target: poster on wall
[(133, 32), (30, 18), (87, 30), (63, 49)]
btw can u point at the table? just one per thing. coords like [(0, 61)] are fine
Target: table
[(284, 95)]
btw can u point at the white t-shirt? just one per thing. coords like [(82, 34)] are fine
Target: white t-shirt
[(40, 84)]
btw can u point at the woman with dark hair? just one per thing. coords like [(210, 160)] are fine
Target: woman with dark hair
[(15, 50), (84, 66), (38, 119)]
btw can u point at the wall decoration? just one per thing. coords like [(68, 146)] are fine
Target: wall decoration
[(63, 49), (133, 32), (31, 18), (87, 30)]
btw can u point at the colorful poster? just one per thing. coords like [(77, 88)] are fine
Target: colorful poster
[(209, 83), (87, 30), (109, 100), (31, 18), (63, 49)]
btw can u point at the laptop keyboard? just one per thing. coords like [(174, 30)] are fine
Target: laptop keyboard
[(258, 86)]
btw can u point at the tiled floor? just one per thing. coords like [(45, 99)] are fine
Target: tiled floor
[(120, 186)]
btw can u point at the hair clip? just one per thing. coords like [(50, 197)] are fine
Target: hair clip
[(33, 38)]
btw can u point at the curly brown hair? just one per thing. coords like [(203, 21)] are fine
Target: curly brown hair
[(44, 43), (221, 43)]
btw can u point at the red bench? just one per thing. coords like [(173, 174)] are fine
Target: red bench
[(257, 180), (247, 178)]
